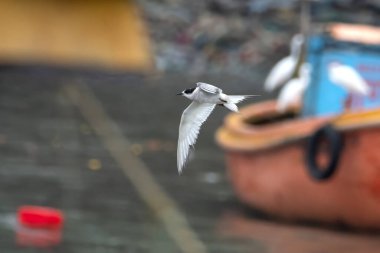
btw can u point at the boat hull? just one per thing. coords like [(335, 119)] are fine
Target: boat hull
[(275, 179)]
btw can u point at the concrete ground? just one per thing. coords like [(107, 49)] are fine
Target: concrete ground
[(102, 147)]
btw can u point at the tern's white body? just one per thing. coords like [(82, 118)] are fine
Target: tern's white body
[(212, 95), (205, 97), (283, 70), (348, 78)]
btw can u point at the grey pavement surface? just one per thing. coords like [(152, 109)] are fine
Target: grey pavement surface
[(46, 147)]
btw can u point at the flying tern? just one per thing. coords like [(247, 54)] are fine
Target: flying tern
[(204, 98)]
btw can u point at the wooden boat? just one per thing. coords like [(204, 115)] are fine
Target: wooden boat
[(265, 156)]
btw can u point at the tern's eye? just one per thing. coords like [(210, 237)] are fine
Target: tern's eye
[(189, 91)]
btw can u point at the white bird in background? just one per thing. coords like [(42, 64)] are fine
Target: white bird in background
[(348, 78), (205, 97), (294, 89), (283, 70)]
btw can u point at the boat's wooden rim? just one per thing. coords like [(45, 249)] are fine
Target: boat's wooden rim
[(237, 134)]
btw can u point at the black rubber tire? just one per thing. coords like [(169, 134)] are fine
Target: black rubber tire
[(334, 139)]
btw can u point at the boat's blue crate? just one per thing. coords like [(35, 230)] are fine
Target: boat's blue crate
[(323, 97)]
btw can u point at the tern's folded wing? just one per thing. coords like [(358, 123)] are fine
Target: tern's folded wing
[(209, 88), (191, 121)]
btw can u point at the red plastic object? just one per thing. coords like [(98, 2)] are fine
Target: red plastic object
[(40, 217)]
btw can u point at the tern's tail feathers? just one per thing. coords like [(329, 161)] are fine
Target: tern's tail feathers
[(234, 99), (231, 107)]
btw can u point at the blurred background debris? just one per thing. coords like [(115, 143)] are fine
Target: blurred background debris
[(235, 37)]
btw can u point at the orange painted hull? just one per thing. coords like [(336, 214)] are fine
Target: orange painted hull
[(273, 177)]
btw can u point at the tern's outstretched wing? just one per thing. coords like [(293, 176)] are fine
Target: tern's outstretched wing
[(209, 88), (192, 119)]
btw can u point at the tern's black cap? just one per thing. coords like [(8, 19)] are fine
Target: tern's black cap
[(189, 91)]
